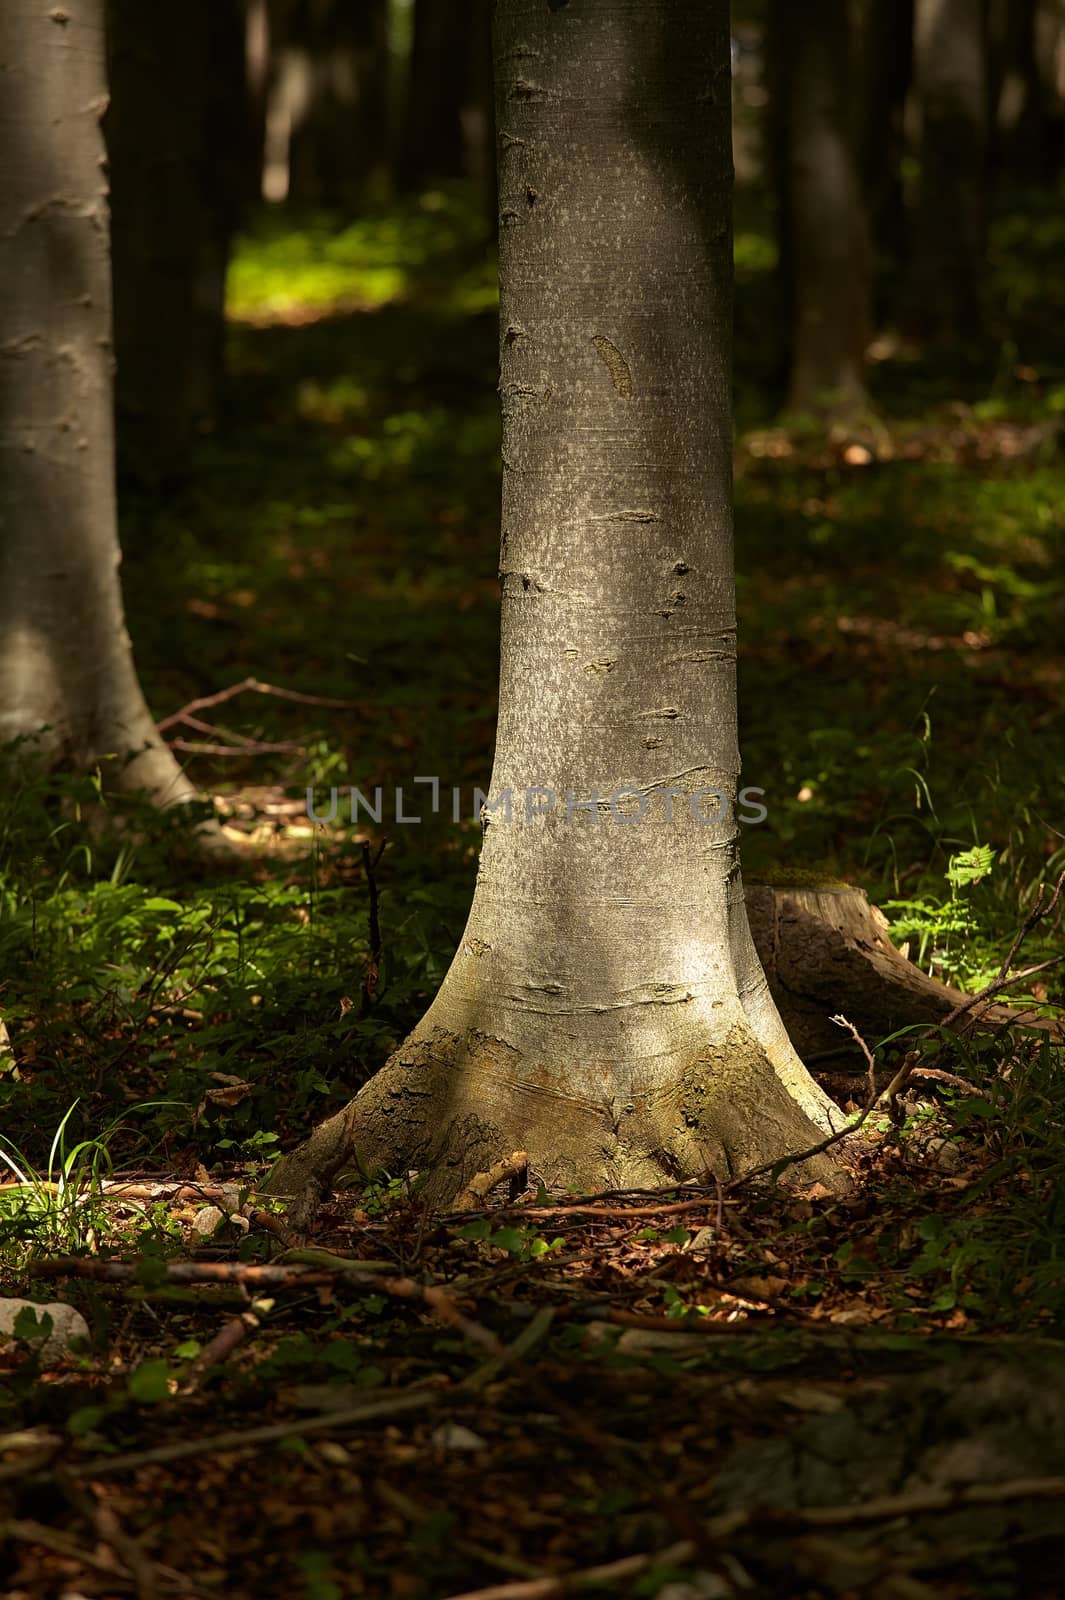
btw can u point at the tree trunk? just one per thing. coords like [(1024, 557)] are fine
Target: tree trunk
[(1050, 61), (328, 119), (829, 245), (1024, 147), (440, 92), (66, 670), (887, 72), (946, 302), (257, 51), (606, 1010), (174, 133)]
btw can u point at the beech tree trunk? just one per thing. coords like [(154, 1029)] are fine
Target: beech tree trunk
[(606, 1010), (175, 131), (946, 301), (446, 126), (329, 101), (67, 679), (886, 76), (829, 248)]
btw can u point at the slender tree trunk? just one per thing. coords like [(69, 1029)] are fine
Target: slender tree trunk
[(606, 1010), (1024, 143), (257, 51), (174, 133), (886, 74), (829, 243), (1050, 61), (946, 302), (66, 670), (439, 84), (327, 119)]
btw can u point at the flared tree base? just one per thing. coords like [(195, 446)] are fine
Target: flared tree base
[(449, 1107)]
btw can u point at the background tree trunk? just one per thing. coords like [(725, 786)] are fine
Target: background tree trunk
[(829, 251), (946, 303), (606, 1010), (328, 115), (886, 75), (174, 134), (446, 125), (65, 660), (257, 53)]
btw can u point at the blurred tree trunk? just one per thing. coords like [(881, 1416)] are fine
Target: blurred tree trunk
[(257, 50), (174, 135), (1024, 139), (886, 76), (828, 252), (606, 1012), (328, 118), (66, 669), (447, 127), (947, 261), (1050, 60)]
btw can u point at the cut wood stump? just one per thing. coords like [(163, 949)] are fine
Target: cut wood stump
[(826, 951)]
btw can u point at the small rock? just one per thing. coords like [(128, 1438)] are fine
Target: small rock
[(453, 1436), (67, 1324), (944, 1156), (206, 1223), (850, 1317)]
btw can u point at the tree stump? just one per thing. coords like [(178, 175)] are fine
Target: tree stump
[(826, 952)]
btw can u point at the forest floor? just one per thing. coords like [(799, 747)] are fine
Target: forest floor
[(730, 1391)]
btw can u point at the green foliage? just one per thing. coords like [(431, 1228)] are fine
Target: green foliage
[(283, 268), (947, 931)]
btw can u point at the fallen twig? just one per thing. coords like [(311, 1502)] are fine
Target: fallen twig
[(885, 1509), (24, 1531), (479, 1187), (272, 1276), (435, 1297), (590, 1578), (248, 1438), (594, 1208), (295, 1269), (225, 1341), (529, 1336)]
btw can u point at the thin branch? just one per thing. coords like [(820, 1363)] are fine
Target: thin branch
[(254, 686), (248, 1438), (730, 1523), (610, 1572), (841, 1022)]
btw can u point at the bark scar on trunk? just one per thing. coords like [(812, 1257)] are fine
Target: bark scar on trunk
[(615, 364)]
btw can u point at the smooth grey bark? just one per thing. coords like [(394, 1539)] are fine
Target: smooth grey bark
[(605, 1010), (174, 131), (66, 670), (829, 256), (947, 264)]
